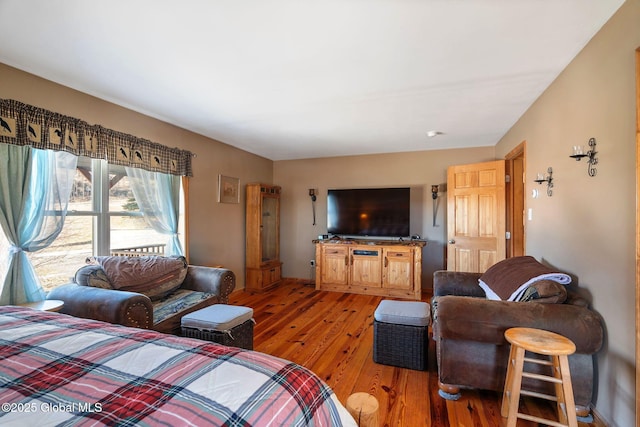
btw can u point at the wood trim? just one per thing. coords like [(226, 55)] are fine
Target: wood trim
[(598, 420), (518, 151), (516, 201), (637, 236)]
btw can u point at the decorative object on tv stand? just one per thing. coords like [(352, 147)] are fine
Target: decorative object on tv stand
[(592, 160), (548, 179)]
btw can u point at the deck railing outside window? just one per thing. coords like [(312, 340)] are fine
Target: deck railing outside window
[(146, 250)]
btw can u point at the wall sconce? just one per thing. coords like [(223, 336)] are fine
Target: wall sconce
[(435, 189), (312, 194), (592, 160), (434, 192), (548, 179)]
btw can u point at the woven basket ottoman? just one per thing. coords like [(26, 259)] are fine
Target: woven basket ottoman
[(230, 325), (400, 334)]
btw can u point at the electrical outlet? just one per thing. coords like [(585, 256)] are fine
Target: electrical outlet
[(312, 263)]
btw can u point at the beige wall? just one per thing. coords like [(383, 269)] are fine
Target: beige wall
[(587, 227), (216, 229), (418, 170)]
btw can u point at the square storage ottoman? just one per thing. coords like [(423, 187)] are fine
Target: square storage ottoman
[(400, 334), (230, 325)]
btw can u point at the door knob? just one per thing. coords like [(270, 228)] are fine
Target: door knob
[(451, 241)]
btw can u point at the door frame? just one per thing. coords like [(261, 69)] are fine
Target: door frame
[(637, 236), (516, 200)]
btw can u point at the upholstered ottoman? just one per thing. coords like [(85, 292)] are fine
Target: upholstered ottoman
[(400, 334), (230, 325)]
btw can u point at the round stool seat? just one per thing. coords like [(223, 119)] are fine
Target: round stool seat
[(539, 341)]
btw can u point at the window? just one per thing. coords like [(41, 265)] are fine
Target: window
[(103, 218)]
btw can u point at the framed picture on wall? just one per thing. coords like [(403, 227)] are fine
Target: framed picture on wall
[(228, 189)]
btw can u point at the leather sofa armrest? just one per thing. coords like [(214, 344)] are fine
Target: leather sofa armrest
[(218, 281), (475, 319), (456, 283), (113, 306)]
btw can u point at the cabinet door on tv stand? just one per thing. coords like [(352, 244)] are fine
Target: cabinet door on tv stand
[(398, 268), (334, 268), (366, 267)]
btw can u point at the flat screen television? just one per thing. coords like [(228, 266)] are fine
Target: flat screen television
[(375, 212)]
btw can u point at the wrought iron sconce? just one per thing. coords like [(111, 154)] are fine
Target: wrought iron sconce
[(592, 160), (548, 179), (312, 194), (435, 189), (434, 192)]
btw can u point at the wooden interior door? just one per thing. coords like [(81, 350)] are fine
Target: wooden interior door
[(476, 216)]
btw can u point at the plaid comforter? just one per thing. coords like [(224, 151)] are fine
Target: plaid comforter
[(56, 370)]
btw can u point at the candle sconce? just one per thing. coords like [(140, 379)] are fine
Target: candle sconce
[(548, 179), (435, 189), (592, 160)]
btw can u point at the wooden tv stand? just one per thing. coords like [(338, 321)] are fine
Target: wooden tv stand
[(370, 267)]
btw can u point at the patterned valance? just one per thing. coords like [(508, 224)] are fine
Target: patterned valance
[(22, 124)]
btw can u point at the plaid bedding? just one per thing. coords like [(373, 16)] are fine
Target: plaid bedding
[(57, 370)]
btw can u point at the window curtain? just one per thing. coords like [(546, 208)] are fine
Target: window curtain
[(35, 186), (158, 196)]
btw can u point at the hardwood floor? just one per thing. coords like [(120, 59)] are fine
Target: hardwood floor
[(331, 333)]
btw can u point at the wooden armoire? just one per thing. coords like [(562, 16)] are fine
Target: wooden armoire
[(263, 266)]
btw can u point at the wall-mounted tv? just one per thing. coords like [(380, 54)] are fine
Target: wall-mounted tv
[(375, 212)]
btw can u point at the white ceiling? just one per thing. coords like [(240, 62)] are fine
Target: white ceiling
[(300, 79)]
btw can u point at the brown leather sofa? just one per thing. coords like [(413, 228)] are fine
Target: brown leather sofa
[(201, 287), (471, 351)]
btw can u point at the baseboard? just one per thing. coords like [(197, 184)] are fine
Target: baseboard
[(598, 420), (304, 282), (287, 281)]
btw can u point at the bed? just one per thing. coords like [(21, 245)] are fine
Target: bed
[(58, 370)]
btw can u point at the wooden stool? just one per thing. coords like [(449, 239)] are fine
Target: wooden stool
[(363, 407), (545, 343)]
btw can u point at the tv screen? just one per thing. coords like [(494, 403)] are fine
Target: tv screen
[(376, 212)]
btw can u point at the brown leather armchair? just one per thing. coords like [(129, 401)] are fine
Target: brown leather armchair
[(471, 350), (209, 286)]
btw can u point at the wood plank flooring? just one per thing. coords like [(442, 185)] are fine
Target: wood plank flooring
[(331, 333)]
